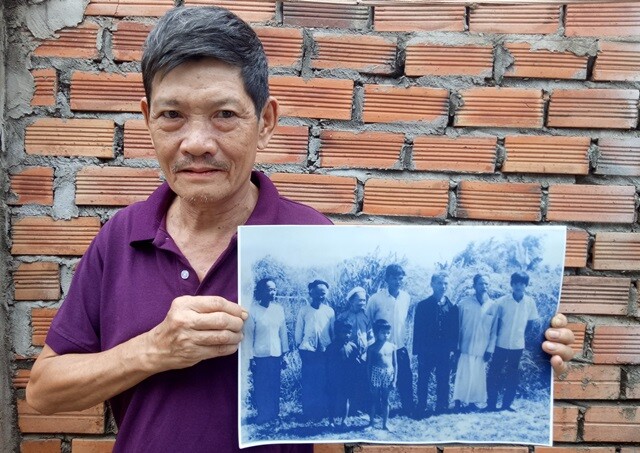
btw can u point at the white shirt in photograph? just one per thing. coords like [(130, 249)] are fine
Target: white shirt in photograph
[(266, 331), (314, 328), (513, 317), (394, 310)]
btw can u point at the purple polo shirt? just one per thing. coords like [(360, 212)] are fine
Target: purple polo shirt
[(124, 286)]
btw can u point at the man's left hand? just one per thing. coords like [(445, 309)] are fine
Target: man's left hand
[(558, 344)]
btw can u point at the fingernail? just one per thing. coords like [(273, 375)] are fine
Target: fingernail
[(553, 334), (551, 346)]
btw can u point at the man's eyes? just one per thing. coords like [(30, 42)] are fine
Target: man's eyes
[(226, 114), (171, 114)]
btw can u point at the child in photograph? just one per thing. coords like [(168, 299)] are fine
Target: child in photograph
[(382, 370), (342, 360)]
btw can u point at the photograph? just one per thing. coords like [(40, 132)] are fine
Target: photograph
[(397, 334)]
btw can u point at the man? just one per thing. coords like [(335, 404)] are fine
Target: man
[(150, 321), (476, 345), (435, 342), (392, 305), (515, 312), (313, 333)]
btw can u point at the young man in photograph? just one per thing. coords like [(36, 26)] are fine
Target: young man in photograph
[(150, 321), (514, 313)]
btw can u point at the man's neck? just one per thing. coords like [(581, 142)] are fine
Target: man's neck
[(394, 292)]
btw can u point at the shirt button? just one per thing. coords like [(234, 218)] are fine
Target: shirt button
[(184, 274)]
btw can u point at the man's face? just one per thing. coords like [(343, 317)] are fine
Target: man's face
[(518, 289), (358, 302), (269, 292), (439, 285), (318, 293), (205, 131), (394, 281), (480, 286)]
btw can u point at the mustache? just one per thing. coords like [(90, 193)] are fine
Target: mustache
[(204, 161)]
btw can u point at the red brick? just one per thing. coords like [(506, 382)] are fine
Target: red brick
[(545, 154), (544, 64), (612, 424), (442, 60), (128, 39), (521, 19), (77, 42), (324, 15), (21, 379), (328, 194), (363, 149), (70, 137), (106, 92), (248, 10), (594, 108), (288, 145), (588, 382), (41, 446), (603, 19), (415, 18), (616, 344), (137, 141), (616, 251), (46, 87), (576, 449), (283, 46), (576, 248), (88, 421), (500, 107), (618, 156), (386, 104), (483, 449), (92, 445), (617, 61), (565, 423), (487, 201), (367, 54), (589, 203), (328, 448), (363, 448), (595, 295), (40, 321), (632, 449), (122, 8), (33, 185), (37, 281), (459, 154), (115, 186), (45, 236), (579, 332), (406, 198), (314, 98), (633, 383)]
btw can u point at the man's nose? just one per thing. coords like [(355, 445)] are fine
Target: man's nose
[(200, 138)]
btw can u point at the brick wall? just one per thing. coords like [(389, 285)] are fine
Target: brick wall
[(486, 114)]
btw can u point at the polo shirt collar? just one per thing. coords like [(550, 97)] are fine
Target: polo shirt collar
[(154, 209)]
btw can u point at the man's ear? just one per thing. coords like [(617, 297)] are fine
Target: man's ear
[(144, 106), (267, 122)]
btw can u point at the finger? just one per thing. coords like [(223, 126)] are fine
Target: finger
[(562, 335), (559, 320), (559, 365), (216, 321), (212, 304), (557, 349), (216, 338)]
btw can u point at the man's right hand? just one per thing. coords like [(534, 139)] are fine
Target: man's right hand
[(195, 328)]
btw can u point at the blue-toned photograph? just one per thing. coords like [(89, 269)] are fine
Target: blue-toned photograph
[(397, 334)]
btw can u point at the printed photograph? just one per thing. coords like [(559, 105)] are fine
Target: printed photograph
[(397, 334)]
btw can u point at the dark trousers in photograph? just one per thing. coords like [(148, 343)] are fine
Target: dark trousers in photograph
[(405, 381), (266, 385), (504, 375), (440, 363), (314, 384)]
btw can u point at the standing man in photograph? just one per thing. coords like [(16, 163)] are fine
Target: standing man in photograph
[(150, 321), (435, 342), (313, 334), (515, 312), (392, 304), (476, 344)]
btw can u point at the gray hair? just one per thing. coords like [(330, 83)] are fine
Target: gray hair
[(193, 33)]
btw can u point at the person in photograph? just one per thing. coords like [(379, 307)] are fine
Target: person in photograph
[(313, 334), (392, 304), (435, 342), (362, 336), (476, 345), (342, 360), (515, 312), (266, 342), (382, 370)]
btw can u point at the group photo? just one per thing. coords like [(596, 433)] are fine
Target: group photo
[(397, 334)]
